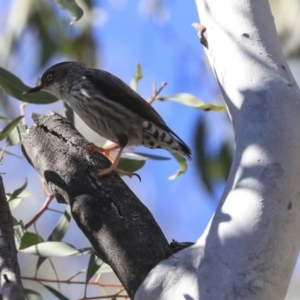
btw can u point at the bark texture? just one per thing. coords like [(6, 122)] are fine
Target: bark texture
[(120, 228), (250, 247), (11, 285)]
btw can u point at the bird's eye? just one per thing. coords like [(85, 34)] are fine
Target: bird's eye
[(49, 77)]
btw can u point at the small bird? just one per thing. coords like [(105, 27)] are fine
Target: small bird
[(111, 108)]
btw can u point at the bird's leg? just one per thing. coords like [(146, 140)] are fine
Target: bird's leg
[(105, 151), (114, 166), (114, 160)]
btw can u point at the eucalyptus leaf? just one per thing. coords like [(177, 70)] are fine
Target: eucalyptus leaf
[(17, 196), (74, 9), (12, 154), (193, 101), (58, 232), (105, 268), (55, 292), (202, 159), (183, 166), (16, 135), (51, 249), (137, 77), (61, 227), (94, 265), (131, 165), (32, 295), (141, 155), (225, 160), (29, 239), (15, 203), (18, 191), (9, 128), (14, 87), (19, 231)]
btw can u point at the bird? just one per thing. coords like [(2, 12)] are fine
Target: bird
[(110, 108)]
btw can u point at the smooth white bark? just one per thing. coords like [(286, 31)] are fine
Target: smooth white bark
[(249, 249)]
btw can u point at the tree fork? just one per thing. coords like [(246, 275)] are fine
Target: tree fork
[(120, 228)]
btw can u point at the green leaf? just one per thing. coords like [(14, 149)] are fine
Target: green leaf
[(19, 232), (55, 292), (4, 118), (105, 268), (202, 160), (140, 155), (32, 295), (17, 196), (58, 232), (69, 113), (12, 154), (29, 239), (14, 203), (72, 7), (18, 191), (16, 135), (52, 249), (225, 160), (62, 226), (14, 87), (191, 100), (94, 265), (131, 165), (9, 128), (40, 261), (137, 77), (183, 166)]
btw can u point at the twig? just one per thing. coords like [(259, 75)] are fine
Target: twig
[(71, 282), (41, 211), (2, 152), (45, 187), (22, 110), (105, 297), (156, 93)]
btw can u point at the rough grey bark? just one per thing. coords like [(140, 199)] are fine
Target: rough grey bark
[(11, 285), (120, 228), (250, 247)]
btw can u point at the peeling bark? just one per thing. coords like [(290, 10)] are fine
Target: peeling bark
[(250, 247)]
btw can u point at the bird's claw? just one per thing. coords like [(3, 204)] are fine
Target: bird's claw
[(137, 175)]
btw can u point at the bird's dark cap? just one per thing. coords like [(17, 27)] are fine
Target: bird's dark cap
[(34, 90)]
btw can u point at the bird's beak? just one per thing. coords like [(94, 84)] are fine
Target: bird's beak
[(34, 90)]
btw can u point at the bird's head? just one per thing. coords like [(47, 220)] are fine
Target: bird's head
[(53, 79)]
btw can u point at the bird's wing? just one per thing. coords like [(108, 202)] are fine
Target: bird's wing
[(114, 89)]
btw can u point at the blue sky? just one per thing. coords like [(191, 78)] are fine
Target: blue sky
[(168, 50)]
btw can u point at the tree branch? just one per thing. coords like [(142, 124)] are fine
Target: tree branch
[(250, 247), (120, 228), (11, 285)]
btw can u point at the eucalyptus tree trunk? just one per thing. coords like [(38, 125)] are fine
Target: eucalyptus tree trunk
[(250, 247)]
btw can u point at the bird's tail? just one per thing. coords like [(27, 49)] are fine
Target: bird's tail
[(156, 137)]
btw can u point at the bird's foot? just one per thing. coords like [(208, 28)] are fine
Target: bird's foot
[(115, 161), (123, 172), (105, 151)]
